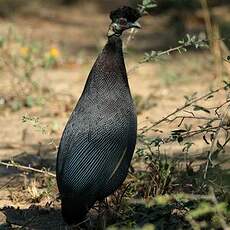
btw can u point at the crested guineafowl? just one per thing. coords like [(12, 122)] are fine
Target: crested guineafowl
[(99, 139)]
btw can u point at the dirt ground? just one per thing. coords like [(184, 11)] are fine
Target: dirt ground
[(80, 35)]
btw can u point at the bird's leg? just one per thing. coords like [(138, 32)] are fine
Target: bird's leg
[(81, 225), (101, 220)]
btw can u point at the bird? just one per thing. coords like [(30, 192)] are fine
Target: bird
[(99, 139)]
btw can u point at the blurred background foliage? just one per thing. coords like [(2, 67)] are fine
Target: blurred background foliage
[(9, 7), (185, 15)]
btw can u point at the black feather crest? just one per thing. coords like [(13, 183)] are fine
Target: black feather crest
[(125, 12)]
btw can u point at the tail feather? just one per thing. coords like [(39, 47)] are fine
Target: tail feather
[(73, 211)]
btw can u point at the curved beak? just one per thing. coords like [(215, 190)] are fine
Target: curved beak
[(135, 25)]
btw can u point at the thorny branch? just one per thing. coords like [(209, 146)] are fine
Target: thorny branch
[(154, 55), (186, 105), (209, 127), (191, 41)]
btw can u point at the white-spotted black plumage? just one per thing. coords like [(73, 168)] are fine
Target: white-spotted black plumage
[(99, 139)]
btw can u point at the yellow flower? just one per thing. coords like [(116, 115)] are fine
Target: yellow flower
[(54, 52), (24, 51)]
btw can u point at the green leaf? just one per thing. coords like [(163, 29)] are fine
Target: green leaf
[(148, 4), (188, 127), (180, 139), (208, 97), (187, 146), (178, 131), (205, 140), (200, 108), (30, 102), (226, 85), (219, 146)]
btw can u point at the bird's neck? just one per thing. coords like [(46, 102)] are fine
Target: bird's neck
[(113, 46), (108, 73), (110, 63)]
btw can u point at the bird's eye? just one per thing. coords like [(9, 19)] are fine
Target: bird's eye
[(122, 21)]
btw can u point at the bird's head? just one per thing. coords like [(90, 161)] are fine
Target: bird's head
[(122, 19)]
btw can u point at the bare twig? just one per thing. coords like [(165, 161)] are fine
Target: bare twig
[(154, 55), (193, 117), (186, 105), (158, 54), (212, 149), (26, 168), (8, 182), (131, 36)]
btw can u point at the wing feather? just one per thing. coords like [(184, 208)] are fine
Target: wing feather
[(87, 165), (93, 150)]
